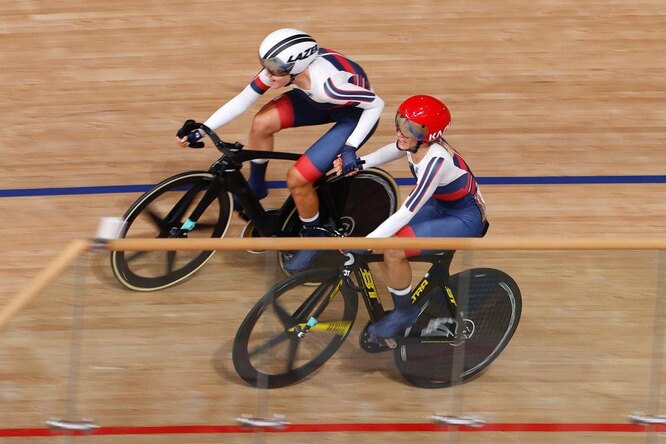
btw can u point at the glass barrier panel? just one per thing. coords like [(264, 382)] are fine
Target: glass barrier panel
[(562, 338), (39, 350), (515, 345)]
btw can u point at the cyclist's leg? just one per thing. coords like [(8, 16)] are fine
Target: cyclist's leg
[(265, 124), (318, 159), (314, 163), (285, 111), (398, 276), (432, 220), (439, 221), (395, 268)]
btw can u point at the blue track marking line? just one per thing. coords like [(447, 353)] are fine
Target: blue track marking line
[(403, 181)]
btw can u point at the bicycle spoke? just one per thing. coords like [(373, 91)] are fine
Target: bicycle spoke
[(171, 259), (158, 221), (134, 255), (285, 318), (271, 343), (291, 358)]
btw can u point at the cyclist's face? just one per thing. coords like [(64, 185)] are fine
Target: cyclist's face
[(278, 81), (405, 142)]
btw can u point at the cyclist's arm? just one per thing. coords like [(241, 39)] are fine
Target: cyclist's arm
[(385, 154), (424, 189), (346, 93), (239, 104)]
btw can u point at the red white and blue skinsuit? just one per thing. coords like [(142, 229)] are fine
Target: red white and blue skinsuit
[(446, 201), (339, 92)]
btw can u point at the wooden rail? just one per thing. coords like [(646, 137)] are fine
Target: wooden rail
[(521, 243), (43, 279)]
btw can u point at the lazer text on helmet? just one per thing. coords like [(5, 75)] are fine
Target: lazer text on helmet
[(305, 54)]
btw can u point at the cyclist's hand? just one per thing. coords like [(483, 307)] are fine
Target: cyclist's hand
[(190, 135), (351, 164), (337, 165)]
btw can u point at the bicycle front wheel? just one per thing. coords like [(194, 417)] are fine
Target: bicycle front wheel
[(267, 349), (159, 213), (490, 304)]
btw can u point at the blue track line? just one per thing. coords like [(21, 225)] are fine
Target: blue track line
[(535, 180)]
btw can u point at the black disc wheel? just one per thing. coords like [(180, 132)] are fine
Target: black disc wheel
[(490, 304)]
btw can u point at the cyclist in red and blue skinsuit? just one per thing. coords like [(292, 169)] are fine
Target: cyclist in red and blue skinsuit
[(446, 201), (327, 88)]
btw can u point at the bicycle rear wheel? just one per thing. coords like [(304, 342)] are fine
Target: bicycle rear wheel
[(491, 305), (267, 352), (159, 213), (353, 206)]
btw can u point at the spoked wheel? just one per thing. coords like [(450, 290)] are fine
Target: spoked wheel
[(354, 206), (160, 213), (490, 303), (267, 351)]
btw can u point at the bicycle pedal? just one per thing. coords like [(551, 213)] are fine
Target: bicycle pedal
[(372, 344)]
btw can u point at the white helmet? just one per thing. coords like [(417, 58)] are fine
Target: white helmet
[(287, 51)]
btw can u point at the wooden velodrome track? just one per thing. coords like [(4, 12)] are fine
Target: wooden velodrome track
[(93, 92)]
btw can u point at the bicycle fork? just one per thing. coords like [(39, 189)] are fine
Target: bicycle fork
[(209, 196)]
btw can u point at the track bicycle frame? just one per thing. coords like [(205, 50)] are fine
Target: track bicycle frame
[(436, 277), (230, 179)]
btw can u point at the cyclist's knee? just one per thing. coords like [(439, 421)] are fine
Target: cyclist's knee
[(303, 173), (295, 180), (266, 122), (394, 257)]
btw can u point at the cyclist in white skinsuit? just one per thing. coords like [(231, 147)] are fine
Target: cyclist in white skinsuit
[(446, 201), (327, 88)]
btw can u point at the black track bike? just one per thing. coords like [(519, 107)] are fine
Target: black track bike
[(465, 322), (201, 204)]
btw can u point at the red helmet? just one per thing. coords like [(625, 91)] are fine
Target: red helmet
[(423, 117)]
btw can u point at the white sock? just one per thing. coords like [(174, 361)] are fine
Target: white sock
[(309, 219), (401, 292)]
